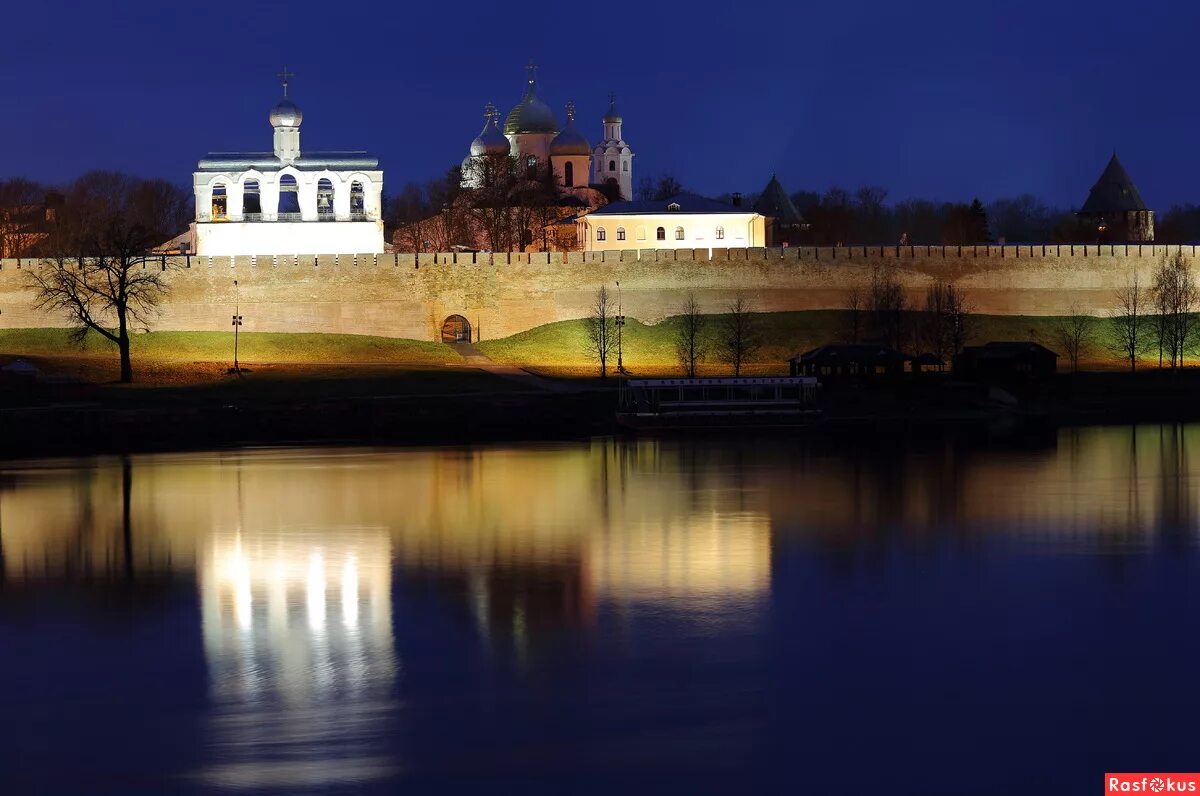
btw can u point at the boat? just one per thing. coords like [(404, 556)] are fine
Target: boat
[(717, 403)]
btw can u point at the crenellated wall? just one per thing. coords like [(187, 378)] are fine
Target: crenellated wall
[(409, 295)]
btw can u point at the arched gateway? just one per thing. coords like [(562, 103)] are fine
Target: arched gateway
[(456, 329)]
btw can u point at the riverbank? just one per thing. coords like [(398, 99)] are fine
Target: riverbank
[(448, 405)]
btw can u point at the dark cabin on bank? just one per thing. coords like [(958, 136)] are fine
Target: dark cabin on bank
[(1006, 361), (851, 360)]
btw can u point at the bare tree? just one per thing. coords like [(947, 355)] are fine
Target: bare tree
[(1074, 333), (888, 306), (689, 336), (738, 339), (945, 320), (1130, 326), (102, 277), (855, 301), (601, 337)]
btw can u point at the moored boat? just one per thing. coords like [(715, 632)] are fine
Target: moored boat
[(717, 403)]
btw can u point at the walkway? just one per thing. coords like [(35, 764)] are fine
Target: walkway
[(477, 359)]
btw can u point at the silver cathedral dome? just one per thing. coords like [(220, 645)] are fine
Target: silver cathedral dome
[(570, 141), (490, 140), (286, 114)]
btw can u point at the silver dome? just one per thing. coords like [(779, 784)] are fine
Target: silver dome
[(570, 141), (612, 116), (286, 114), (490, 140)]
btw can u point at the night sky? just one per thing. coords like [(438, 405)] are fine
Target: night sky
[(945, 100)]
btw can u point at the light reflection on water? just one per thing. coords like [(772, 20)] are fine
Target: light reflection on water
[(353, 606)]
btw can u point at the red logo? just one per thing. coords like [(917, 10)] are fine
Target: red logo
[(1151, 783)]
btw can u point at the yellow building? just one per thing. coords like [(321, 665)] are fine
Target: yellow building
[(684, 221)]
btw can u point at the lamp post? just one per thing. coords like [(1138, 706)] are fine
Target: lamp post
[(237, 322), (620, 321)]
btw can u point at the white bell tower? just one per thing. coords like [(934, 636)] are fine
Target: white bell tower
[(612, 159)]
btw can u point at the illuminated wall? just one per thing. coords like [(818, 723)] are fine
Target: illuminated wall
[(410, 295)]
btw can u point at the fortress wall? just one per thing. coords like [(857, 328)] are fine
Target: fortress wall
[(409, 295)]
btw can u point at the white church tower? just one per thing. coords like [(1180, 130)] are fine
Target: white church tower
[(274, 203), (612, 159)]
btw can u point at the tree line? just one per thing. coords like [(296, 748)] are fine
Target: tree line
[(732, 338)]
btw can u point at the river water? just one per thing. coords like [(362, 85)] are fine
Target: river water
[(928, 616)]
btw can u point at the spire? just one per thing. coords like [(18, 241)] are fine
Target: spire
[(570, 112), (284, 75), (531, 76)]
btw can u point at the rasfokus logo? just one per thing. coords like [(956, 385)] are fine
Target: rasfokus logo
[(1151, 783)]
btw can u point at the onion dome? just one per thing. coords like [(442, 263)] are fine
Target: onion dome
[(490, 140), (570, 141), (612, 116), (286, 114), (530, 115)]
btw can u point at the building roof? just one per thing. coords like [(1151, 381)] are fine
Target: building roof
[(689, 204), (775, 203), (266, 161), (853, 352), (1007, 349), (1114, 192)]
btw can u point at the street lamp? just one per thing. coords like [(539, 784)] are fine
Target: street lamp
[(620, 321), (237, 322)]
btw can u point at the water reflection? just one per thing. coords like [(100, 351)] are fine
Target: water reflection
[(298, 639), (317, 571)]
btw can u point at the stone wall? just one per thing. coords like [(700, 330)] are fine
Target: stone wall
[(409, 295)]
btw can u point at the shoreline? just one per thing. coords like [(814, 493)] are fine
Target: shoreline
[(297, 415)]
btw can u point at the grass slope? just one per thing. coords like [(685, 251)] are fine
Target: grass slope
[(218, 346), (563, 345)]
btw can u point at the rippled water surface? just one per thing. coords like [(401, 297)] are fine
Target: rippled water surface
[(928, 617)]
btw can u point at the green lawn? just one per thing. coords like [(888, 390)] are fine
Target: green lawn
[(564, 344), (218, 346)]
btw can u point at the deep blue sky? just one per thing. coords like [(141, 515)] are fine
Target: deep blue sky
[(940, 99)]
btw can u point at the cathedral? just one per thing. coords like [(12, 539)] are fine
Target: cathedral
[(532, 135)]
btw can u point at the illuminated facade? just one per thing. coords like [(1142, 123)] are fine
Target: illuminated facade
[(273, 203), (685, 221)]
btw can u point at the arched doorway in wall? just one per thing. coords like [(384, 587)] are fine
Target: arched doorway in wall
[(456, 329)]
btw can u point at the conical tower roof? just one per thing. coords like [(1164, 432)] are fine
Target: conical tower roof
[(1114, 192), (775, 203)]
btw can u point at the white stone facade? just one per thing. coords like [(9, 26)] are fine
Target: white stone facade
[(287, 201), (612, 159)]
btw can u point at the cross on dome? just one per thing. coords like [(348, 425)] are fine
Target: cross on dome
[(531, 71), (570, 111), (284, 75)]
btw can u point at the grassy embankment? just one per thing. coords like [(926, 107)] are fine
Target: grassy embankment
[(189, 358), (561, 348)]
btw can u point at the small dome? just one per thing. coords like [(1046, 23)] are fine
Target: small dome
[(490, 140), (530, 115), (570, 141), (286, 114), (612, 116)]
